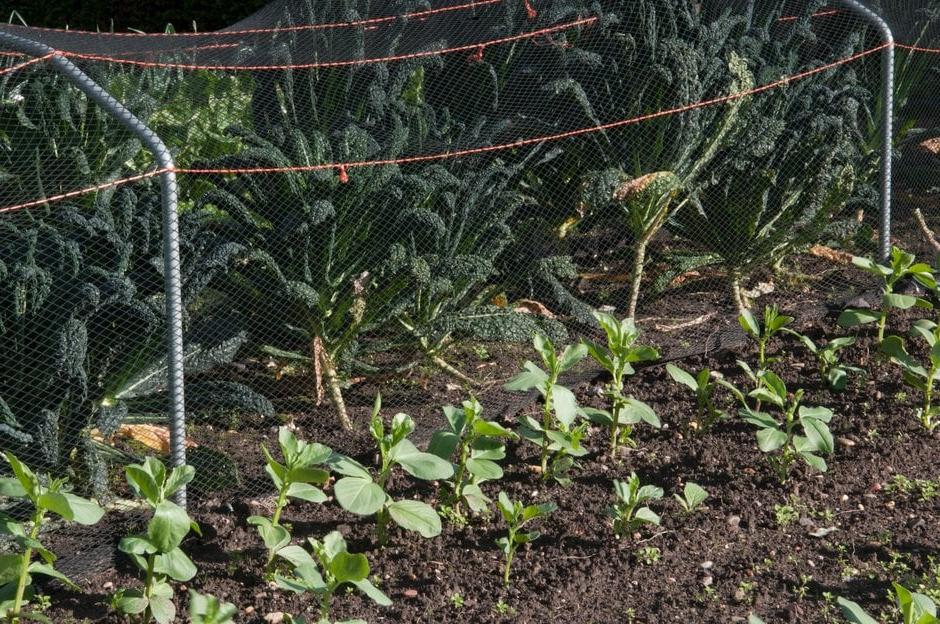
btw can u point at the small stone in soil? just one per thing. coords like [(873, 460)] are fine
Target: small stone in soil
[(411, 593), (275, 617)]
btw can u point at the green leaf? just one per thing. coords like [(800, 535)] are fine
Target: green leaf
[(162, 609), (359, 496), (419, 464), (565, 404), (694, 494), (749, 324), (599, 416), (349, 568), (854, 318), (307, 492), (769, 439), (484, 469), (142, 483), (443, 444), (72, 507), (348, 466), (374, 594), (178, 477), (175, 564), (815, 461), (899, 301), (11, 487), (273, 535), (490, 428), (130, 601), (416, 516), (531, 377), (819, 438), (296, 555), (47, 570), (136, 545), (646, 515), (571, 356), (682, 377), (168, 526), (854, 613), (23, 474)]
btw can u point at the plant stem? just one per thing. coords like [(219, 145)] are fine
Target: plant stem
[(24, 568), (740, 301), (279, 506), (925, 417), (509, 555), (146, 616), (461, 469), (381, 526), (882, 321), (637, 275), (546, 424), (336, 393)]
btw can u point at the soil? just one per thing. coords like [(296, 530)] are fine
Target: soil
[(783, 551)]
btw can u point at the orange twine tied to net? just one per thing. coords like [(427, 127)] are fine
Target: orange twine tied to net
[(343, 176), (530, 10), (477, 57)]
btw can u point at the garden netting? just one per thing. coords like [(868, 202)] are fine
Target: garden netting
[(388, 192)]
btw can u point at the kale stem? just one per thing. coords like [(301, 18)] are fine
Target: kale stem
[(24, 568)]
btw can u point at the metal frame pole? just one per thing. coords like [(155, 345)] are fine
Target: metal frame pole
[(887, 136), (171, 250)]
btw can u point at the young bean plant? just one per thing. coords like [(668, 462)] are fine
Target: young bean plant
[(774, 323), (704, 384), (516, 515), (295, 478), (914, 608), (777, 436), (330, 567), (557, 436), (627, 512), (210, 610), (361, 493), (474, 445), (693, 495), (157, 552), (43, 496), (617, 359), (835, 374), (917, 375), (902, 265)]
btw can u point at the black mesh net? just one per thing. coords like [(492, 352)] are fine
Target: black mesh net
[(374, 191)]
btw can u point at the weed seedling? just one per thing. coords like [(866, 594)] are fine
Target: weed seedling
[(557, 436), (627, 512), (902, 265), (359, 493), (617, 359), (157, 552), (516, 516), (17, 568)]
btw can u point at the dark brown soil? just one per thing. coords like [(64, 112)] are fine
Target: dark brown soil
[(751, 548)]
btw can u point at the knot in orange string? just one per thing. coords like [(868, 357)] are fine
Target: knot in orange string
[(343, 176)]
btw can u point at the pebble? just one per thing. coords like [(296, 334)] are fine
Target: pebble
[(707, 565), (734, 522), (108, 586), (411, 593), (707, 580), (275, 617), (249, 610), (739, 595), (846, 442)]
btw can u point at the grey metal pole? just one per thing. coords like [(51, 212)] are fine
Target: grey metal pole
[(171, 249), (887, 121)]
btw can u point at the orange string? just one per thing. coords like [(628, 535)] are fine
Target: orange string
[(345, 63), (530, 10)]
